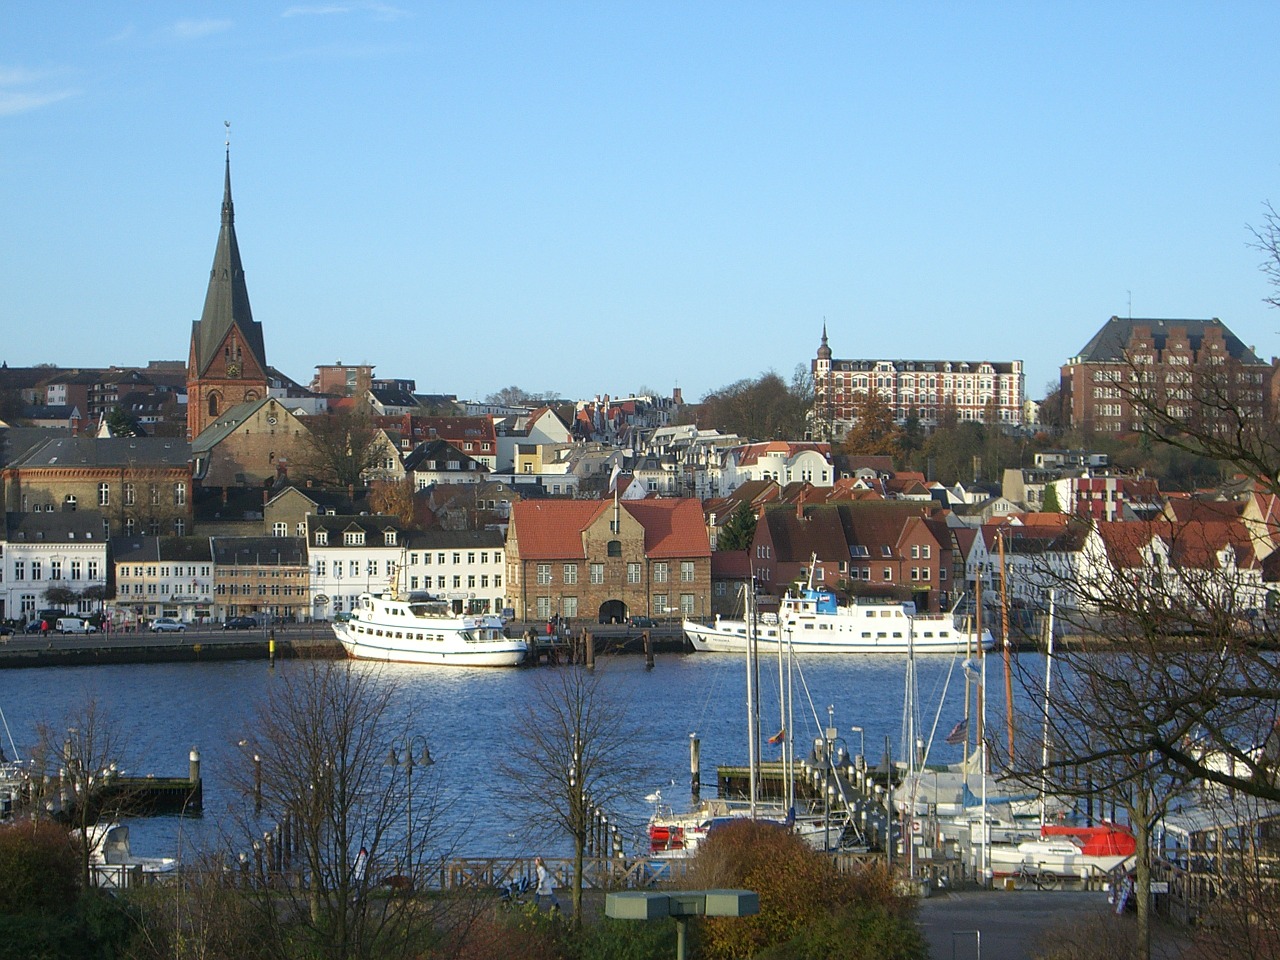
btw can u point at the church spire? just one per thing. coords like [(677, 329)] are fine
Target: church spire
[(226, 302), (824, 351)]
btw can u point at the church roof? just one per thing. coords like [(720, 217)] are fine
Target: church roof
[(226, 304)]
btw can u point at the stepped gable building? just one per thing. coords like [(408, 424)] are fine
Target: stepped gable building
[(976, 389), (228, 362), (1176, 358)]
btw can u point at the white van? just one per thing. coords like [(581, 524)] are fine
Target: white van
[(74, 625)]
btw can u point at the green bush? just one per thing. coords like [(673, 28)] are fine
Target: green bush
[(868, 931), (626, 940), (799, 889), (40, 868)]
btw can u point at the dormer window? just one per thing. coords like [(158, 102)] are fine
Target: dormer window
[(389, 538), (353, 538), (322, 538)]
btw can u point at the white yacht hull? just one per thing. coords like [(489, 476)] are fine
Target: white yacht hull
[(392, 630), (730, 636)]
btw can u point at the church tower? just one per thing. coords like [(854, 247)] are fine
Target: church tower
[(228, 363)]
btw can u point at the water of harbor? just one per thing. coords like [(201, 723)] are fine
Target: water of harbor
[(472, 718)]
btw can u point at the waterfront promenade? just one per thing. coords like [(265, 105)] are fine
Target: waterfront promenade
[(209, 642)]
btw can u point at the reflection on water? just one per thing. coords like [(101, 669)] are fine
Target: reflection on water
[(473, 717)]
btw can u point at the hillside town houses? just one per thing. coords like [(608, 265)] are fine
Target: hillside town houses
[(221, 488)]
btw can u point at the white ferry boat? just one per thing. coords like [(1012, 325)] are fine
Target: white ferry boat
[(810, 620), (423, 629)]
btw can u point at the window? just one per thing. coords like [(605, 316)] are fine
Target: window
[(660, 573), (915, 551), (659, 604), (457, 558), (153, 491), (371, 568), (36, 572), (75, 569), (686, 605), (597, 573), (633, 573), (924, 552), (321, 568), (93, 569), (69, 502), (686, 571), (19, 570), (55, 569), (280, 529), (180, 494), (179, 527), (887, 573), (613, 548), (388, 538), (544, 574), (353, 568), (322, 538), (104, 495), (570, 573), (543, 608), (353, 538), (570, 605)]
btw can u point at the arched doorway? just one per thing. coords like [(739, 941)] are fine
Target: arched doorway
[(613, 611)]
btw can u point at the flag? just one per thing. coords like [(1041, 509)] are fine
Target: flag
[(959, 733), (777, 737), (613, 477)]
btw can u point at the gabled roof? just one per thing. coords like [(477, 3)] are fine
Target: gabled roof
[(437, 451), (1194, 545), (552, 529), (226, 303), (1110, 343), (178, 549)]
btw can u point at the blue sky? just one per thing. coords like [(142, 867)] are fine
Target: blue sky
[(599, 197)]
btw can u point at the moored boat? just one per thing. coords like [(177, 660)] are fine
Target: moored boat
[(810, 620), (422, 629)]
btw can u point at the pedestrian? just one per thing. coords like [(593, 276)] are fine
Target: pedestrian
[(44, 628), (546, 885)]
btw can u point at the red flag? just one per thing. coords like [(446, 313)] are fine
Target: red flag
[(959, 733), (777, 737)]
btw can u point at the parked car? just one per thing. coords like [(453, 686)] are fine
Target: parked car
[(239, 623), (167, 625), (5, 630), (643, 623), (73, 625)]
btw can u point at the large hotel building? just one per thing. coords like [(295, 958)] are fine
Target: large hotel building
[(923, 387)]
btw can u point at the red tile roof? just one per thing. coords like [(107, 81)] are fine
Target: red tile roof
[(552, 529)]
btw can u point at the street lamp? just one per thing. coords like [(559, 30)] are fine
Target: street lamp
[(409, 763), (862, 741)]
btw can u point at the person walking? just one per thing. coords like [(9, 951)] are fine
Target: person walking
[(546, 885)]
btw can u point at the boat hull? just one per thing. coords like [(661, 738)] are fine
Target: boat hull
[(730, 636), (449, 652)]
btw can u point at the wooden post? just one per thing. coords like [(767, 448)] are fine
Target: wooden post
[(647, 639), (589, 651)]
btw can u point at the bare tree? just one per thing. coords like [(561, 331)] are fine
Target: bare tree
[(318, 789), (79, 757), (575, 754), (341, 446)]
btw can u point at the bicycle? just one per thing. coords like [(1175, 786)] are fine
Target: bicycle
[(1036, 876)]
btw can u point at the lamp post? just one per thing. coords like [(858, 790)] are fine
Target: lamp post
[(862, 740), (408, 744)]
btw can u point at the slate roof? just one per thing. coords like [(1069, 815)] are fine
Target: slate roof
[(177, 549), (457, 540), (259, 551), (16, 442), (107, 452), (1108, 344), (66, 526)]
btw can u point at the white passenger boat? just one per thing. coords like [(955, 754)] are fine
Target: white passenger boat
[(423, 629), (810, 620)]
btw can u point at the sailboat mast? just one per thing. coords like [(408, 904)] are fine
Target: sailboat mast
[(1048, 676), (1005, 645), (753, 755)]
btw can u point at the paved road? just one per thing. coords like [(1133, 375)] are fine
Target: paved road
[(1013, 925)]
